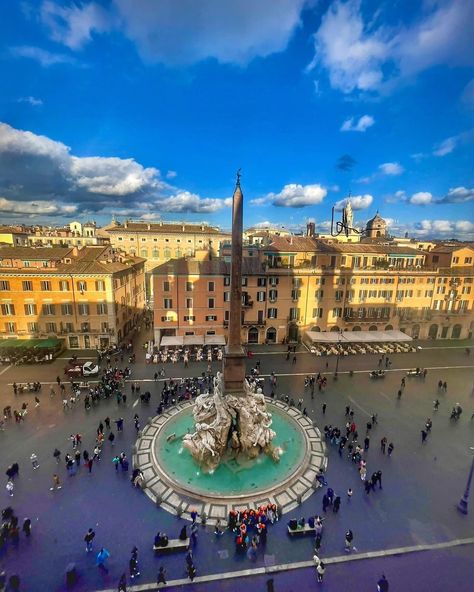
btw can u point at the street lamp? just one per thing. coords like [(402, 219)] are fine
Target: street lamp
[(462, 505)]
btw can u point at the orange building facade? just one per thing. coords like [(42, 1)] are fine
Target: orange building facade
[(91, 297), (300, 283)]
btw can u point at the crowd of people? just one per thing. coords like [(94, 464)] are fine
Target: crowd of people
[(248, 527)]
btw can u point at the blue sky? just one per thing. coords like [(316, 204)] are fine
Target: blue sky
[(146, 108)]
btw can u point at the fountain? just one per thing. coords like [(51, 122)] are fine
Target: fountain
[(226, 454)]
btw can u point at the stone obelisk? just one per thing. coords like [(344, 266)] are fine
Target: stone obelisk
[(234, 358)]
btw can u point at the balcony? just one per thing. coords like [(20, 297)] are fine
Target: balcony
[(366, 319), (248, 323)]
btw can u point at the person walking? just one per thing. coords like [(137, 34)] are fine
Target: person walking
[(366, 442), (390, 448), (161, 577), (324, 408), (57, 455), (56, 483), (336, 504), (101, 558), (349, 494), (111, 438), (133, 564), (27, 527), (116, 461), (383, 444), (191, 571), (424, 434), (348, 546), (320, 569), (382, 584), (89, 538), (122, 585), (9, 487), (34, 460)]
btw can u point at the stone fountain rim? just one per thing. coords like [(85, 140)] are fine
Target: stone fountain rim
[(287, 494), (216, 494)]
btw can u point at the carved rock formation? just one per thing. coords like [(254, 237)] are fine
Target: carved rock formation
[(240, 422)]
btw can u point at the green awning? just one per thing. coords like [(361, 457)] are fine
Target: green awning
[(51, 343)]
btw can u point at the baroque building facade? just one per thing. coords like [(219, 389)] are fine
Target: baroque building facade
[(299, 283), (91, 297)]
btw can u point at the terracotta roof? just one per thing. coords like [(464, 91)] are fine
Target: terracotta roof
[(13, 230), (451, 248), (34, 253), (155, 227), (292, 244)]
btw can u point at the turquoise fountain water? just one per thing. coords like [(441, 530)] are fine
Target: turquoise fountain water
[(234, 476)]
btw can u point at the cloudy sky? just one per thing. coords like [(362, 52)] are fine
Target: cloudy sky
[(146, 108)]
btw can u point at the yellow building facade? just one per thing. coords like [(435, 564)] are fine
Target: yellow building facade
[(91, 296), (299, 283)]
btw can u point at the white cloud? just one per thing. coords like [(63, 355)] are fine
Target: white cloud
[(184, 201), (112, 176), (362, 125), (358, 202), (458, 195), (361, 56), (418, 156), (391, 168), (33, 101), (422, 198), (184, 32), (295, 195), (44, 57), (446, 147), (50, 208), (73, 25), (464, 226), (37, 170), (260, 201), (171, 174)]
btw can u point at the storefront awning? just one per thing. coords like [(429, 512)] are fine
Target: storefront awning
[(214, 339), (357, 337)]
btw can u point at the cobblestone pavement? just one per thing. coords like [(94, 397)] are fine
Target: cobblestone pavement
[(421, 483)]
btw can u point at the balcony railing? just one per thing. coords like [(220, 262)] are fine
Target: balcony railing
[(366, 319)]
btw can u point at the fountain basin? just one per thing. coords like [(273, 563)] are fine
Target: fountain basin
[(235, 475), (173, 479)]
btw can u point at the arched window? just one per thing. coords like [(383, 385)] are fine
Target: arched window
[(178, 253), (271, 335), (372, 328), (389, 328), (317, 329), (252, 335), (456, 332), (415, 331), (167, 254), (356, 328), (144, 253), (156, 254), (433, 332)]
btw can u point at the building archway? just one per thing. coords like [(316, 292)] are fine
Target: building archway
[(293, 332), (415, 331), (356, 328), (252, 336), (271, 335), (334, 329), (389, 328), (373, 328), (433, 331), (456, 332), (316, 328)]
